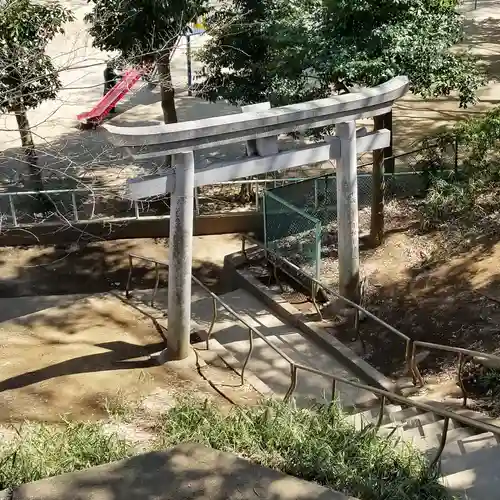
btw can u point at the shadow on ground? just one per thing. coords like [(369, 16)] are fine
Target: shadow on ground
[(187, 471), (452, 301), (101, 266)]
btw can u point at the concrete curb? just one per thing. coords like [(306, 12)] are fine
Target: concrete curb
[(242, 279)]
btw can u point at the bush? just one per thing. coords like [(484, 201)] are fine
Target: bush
[(474, 191), (314, 444), (41, 451)]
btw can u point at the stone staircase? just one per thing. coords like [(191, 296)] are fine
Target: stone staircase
[(470, 461)]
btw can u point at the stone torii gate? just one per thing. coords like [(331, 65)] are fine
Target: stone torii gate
[(258, 126)]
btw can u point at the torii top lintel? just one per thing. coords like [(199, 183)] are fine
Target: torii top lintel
[(209, 132)]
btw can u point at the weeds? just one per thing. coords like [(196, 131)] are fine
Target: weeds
[(316, 444), (43, 451), (313, 444)]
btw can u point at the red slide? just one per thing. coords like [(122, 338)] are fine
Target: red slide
[(109, 101)]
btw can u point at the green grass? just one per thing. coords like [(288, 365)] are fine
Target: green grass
[(313, 444), (41, 451)]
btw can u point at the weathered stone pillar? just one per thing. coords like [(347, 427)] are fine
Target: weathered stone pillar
[(180, 258), (347, 211)]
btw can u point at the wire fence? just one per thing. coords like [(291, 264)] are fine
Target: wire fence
[(82, 205), (299, 214), (292, 232), (20, 208)]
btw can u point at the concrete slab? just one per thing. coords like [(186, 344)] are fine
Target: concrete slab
[(188, 471)]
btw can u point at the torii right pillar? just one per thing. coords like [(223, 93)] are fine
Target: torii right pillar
[(347, 211)]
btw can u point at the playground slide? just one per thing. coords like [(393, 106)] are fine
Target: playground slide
[(109, 101)]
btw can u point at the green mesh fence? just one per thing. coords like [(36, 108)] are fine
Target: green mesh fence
[(292, 233), (300, 219)]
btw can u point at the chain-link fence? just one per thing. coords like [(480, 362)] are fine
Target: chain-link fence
[(292, 233), (293, 212)]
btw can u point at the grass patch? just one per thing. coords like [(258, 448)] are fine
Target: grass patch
[(314, 444), (121, 407), (41, 451)]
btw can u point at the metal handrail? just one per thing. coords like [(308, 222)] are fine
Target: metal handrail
[(76, 217), (216, 300), (382, 394), (359, 309), (411, 344), (461, 360)]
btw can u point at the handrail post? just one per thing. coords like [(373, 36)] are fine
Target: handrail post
[(157, 281), (293, 382), (212, 324), (244, 246), (12, 211), (129, 278), (460, 381), (381, 413), (442, 443), (415, 369), (334, 390), (247, 359), (75, 208), (409, 360)]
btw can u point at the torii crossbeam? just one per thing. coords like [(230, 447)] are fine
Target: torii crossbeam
[(258, 126)]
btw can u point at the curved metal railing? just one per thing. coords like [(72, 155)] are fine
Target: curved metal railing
[(411, 345), (275, 261), (295, 367)]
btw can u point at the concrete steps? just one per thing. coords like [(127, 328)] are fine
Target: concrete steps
[(266, 363), (470, 461)]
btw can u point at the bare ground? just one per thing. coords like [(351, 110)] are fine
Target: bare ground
[(86, 357), (440, 286)]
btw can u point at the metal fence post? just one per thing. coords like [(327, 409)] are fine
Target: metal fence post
[(318, 250)]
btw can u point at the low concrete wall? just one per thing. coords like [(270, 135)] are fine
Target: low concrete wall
[(54, 234), (239, 278)]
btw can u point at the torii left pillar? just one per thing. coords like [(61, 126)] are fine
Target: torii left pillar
[(180, 257)]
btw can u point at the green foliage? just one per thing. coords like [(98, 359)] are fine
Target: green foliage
[(27, 75), (474, 191), (240, 42), (311, 48), (41, 451), (138, 29), (314, 444)]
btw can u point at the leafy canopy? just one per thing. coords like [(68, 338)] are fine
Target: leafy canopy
[(141, 28), (27, 74), (311, 48)]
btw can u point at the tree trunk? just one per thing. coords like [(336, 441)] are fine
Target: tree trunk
[(388, 153), (167, 89), (167, 95), (378, 183), (246, 192), (34, 178)]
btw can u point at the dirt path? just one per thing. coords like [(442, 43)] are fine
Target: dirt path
[(100, 266), (90, 358), (75, 359), (77, 355)]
